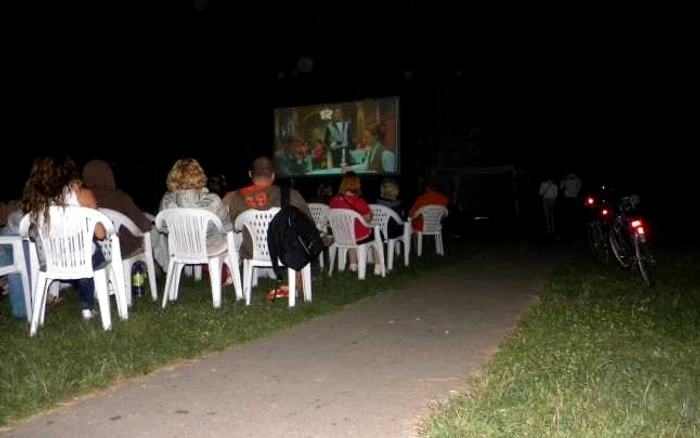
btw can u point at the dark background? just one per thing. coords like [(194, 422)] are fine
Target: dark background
[(142, 84)]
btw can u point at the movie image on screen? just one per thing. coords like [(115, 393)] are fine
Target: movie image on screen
[(330, 139)]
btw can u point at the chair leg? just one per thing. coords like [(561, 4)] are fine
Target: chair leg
[(406, 249), (361, 261), (102, 295), (40, 291), (248, 291), (215, 280), (151, 267), (380, 253), (168, 282), (391, 245), (235, 270), (419, 243), (307, 283), (198, 273), (127, 283), (292, 284), (175, 291)]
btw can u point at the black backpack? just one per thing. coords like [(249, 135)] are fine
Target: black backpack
[(292, 237)]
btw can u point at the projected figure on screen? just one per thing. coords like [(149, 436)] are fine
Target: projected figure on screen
[(294, 159), (378, 158), (338, 138)]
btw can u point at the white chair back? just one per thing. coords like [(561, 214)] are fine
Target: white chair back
[(257, 222), (187, 232), (432, 218)]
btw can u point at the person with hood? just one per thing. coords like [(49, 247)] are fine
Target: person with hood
[(99, 178)]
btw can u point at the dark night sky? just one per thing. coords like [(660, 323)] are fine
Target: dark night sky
[(138, 80)]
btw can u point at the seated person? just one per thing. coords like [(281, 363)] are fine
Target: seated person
[(261, 195), (377, 159), (293, 159), (99, 178), (187, 189), (55, 181), (389, 197), (430, 196), (349, 197)]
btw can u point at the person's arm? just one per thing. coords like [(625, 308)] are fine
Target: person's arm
[(219, 209), (236, 207), (87, 199), (363, 208), (543, 187)]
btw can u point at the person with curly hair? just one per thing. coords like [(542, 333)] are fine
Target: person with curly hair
[(187, 188), (55, 181)]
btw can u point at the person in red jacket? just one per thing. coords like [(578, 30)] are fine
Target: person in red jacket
[(430, 196), (349, 197)]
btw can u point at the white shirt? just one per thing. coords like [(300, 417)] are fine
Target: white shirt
[(571, 185), (549, 190)]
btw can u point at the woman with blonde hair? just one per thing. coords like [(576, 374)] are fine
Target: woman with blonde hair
[(187, 188), (349, 197)]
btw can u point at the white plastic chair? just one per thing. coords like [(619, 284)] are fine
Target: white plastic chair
[(257, 222), (381, 215), (145, 255), (432, 226), (187, 244), (18, 266), (68, 248), (319, 212), (342, 222)]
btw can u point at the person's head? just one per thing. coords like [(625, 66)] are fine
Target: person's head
[(338, 114), (217, 184), (98, 176), (426, 183), (186, 174), (389, 189), (299, 147), (48, 180), (262, 171), (373, 135), (324, 191), (350, 183)]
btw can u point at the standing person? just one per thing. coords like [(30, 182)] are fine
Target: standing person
[(570, 186), (338, 138), (549, 193)]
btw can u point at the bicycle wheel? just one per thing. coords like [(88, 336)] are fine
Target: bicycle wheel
[(597, 243), (619, 248), (644, 261)]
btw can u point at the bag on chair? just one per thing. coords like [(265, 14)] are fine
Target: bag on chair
[(292, 237)]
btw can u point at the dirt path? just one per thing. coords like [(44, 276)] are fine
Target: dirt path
[(369, 371)]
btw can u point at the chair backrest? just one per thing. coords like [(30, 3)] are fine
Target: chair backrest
[(381, 214), (319, 212), (342, 223), (187, 232), (257, 223), (67, 244), (121, 220), (432, 217)]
